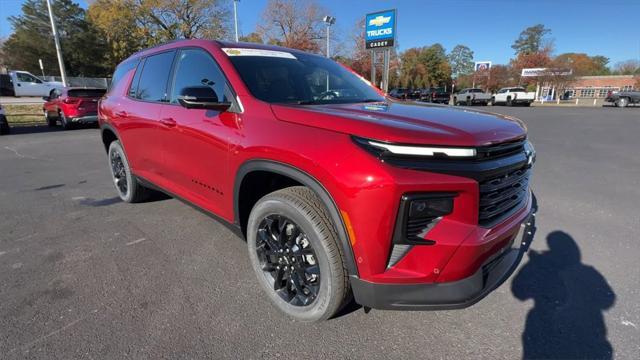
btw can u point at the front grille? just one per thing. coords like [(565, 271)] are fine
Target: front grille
[(501, 195), (500, 150)]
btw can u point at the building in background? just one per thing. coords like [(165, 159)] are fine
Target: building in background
[(593, 87)]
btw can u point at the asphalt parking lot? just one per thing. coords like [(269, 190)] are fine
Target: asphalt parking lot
[(83, 275)]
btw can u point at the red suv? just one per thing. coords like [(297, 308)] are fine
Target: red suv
[(72, 106), (338, 191)]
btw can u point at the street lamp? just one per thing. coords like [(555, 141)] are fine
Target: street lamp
[(235, 16), (63, 73), (330, 20)]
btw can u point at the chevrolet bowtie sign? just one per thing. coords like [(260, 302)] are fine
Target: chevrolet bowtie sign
[(380, 29)]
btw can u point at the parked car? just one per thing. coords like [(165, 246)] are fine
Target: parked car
[(72, 106), (6, 85), (404, 206), (27, 84), (399, 93), (623, 98), (4, 124), (435, 95), (471, 96), (513, 95)]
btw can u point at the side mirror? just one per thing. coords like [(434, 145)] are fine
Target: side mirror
[(201, 97), (46, 98)]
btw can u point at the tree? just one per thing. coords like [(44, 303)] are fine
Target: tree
[(82, 47), (116, 21), (583, 64), (252, 37), (437, 67), (461, 61), (165, 20), (131, 25), (292, 24), (531, 40), (628, 67)]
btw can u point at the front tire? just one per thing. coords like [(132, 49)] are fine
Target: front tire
[(294, 251), (127, 186)]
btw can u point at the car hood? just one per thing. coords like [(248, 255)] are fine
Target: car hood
[(408, 123)]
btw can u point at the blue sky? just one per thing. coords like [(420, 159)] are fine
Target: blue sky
[(488, 27)]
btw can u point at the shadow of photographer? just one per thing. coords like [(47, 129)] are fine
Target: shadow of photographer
[(567, 319)]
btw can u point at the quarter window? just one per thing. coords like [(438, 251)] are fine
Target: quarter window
[(195, 68), (153, 79), (121, 71)]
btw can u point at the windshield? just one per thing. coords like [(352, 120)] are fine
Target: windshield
[(301, 79)]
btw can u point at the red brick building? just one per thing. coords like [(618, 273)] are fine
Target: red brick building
[(591, 87)]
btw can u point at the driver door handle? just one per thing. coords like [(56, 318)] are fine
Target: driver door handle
[(168, 122)]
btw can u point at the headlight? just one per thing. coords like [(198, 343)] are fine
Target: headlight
[(430, 151)]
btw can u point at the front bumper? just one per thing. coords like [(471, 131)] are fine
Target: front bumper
[(449, 295)]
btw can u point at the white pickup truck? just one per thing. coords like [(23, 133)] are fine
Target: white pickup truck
[(513, 95), (27, 84), (471, 96)]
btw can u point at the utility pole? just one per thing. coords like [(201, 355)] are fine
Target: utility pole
[(63, 73), (235, 16)]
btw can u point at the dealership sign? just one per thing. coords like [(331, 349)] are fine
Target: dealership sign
[(532, 72), (482, 65), (380, 29)]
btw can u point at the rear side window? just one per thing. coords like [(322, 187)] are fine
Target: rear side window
[(121, 71), (86, 93), (153, 79), (195, 67)]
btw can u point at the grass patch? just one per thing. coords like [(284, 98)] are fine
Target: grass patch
[(23, 114)]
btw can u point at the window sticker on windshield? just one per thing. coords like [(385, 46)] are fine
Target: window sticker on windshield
[(258, 52)]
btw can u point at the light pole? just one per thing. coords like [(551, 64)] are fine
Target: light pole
[(330, 20), (235, 16), (63, 73)]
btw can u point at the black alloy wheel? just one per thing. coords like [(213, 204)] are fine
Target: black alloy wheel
[(293, 249), (119, 173), (287, 257)]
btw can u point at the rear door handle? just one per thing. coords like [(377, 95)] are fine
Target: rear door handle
[(168, 122), (121, 114)]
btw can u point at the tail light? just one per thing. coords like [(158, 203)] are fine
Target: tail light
[(433, 94), (609, 93), (72, 101)]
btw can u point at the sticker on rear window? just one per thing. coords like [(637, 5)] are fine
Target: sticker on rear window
[(257, 52)]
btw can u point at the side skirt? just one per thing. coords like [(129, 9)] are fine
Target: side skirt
[(231, 226)]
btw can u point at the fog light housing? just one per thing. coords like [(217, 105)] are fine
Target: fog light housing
[(430, 207), (418, 214)]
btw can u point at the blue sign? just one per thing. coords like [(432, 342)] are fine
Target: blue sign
[(380, 29)]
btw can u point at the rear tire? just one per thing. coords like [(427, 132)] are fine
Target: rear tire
[(4, 126), (66, 124), (622, 102), (294, 251), (127, 186), (50, 121)]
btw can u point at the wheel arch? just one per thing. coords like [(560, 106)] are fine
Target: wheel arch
[(108, 135), (302, 178)]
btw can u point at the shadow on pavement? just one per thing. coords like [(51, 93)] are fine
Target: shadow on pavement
[(42, 128), (567, 319)]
